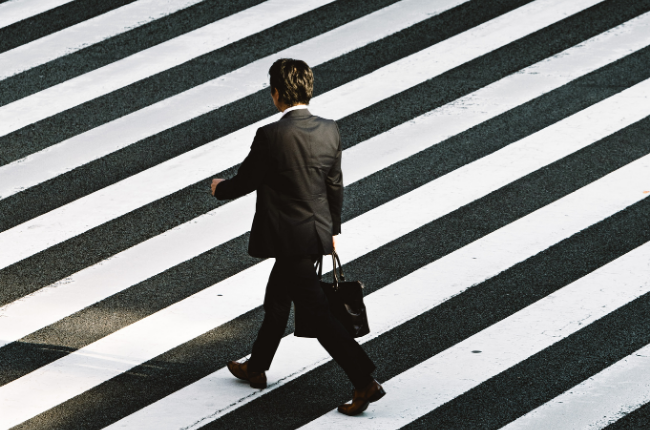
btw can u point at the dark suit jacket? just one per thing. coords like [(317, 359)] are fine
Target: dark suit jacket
[(295, 166)]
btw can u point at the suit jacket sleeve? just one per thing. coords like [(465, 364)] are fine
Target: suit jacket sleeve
[(334, 186), (251, 172)]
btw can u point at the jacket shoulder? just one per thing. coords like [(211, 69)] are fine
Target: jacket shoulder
[(328, 121)]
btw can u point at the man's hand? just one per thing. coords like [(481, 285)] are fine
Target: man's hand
[(334, 243), (215, 182)]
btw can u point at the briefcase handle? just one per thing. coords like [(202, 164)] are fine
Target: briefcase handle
[(335, 276)]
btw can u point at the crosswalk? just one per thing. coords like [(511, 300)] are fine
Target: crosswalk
[(497, 170), (14, 11), (84, 34), (596, 402)]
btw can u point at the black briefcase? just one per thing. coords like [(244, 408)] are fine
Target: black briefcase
[(345, 299)]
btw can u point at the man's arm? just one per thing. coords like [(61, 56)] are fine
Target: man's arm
[(334, 186), (250, 173)]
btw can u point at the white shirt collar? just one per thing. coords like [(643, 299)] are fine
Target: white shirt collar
[(287, 110)]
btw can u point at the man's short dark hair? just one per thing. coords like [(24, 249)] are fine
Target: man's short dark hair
[(293, 79)]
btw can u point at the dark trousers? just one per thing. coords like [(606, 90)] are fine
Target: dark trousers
[(294, 279)]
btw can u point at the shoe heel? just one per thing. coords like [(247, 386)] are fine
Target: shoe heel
[(378, 395), (258, 384)]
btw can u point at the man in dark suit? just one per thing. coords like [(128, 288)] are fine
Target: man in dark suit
[(295, 166)]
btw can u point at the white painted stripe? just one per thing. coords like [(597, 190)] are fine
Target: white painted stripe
[(193, 316), (151, 257), (598, 401), (17, 10), (218, 393), (65, 222), (87, 33), (204, 98), (150, 61), (503, 345)]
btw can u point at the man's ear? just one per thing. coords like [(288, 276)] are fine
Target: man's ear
[(276, 99)]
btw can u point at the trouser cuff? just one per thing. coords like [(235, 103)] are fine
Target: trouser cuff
[(362, 382)]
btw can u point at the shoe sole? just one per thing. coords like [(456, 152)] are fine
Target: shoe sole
[(357, 412), (258, 384)]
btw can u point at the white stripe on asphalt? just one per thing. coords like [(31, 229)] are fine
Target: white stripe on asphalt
[(148, 62), (153, 256), (14, 11), (218, 393), (598, 401), (97, 208), (503, 345), (103, 140), (87, 33), (216, 305)]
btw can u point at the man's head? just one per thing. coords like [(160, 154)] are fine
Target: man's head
[(293, 80)]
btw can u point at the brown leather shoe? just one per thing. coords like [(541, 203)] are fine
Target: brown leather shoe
[(240, 370), (362, 398)]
